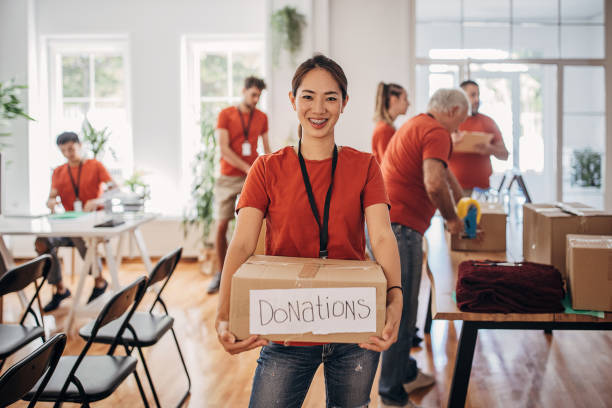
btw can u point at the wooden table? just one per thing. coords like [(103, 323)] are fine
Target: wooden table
[(442, 265), (81, 228)]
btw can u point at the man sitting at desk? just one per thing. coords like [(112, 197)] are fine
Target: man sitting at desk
[(79, 183)]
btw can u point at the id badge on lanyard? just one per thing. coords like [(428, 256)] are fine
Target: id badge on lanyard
[(246, 149), (78, 205)]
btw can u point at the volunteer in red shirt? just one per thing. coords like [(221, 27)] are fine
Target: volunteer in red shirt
[(79, 184), (474, 169), (418, 181), (238, 130), (391, 101), (346, 188)]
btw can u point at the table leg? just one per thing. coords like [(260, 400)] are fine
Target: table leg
[(112, 266), (463, 365), (427, 327), (90, 262), (119, 256), (143, 249)]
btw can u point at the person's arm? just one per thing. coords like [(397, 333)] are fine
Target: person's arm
[(266, 143), (227, 153), (436, 184), (384, 246), (52, 200), (454, 185), (242, 246), (498, 149)]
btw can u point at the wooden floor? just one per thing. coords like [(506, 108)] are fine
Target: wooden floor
[(511, 369)]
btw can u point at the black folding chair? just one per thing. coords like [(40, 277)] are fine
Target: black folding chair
[(22, 376), (84, 379), (15, 336), (149, 327)]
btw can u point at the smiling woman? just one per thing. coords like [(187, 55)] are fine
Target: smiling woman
[(314, 198)]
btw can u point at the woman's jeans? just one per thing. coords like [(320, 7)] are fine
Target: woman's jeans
[(284, 374), (397, 366)]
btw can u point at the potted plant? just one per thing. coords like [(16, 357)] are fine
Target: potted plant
[(96, 139), (586, 168), (141, 192), (287, 26), (203, 168)]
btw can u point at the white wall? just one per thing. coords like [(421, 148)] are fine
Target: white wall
[(154, 28), (14, 64)]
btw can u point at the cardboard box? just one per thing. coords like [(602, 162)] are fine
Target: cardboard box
[(470, 140), (491, 235), (589, 268), (546, 226), (306, 299)]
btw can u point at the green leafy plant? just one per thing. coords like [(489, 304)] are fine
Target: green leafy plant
[(586, 168), (97, 140), (136, 184), (203, 168), (11, 106), (287, 27)]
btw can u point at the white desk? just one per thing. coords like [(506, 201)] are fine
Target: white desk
[(80, 228)]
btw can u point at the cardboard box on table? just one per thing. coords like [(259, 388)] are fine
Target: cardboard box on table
[(470, 140), (546, 226), (492, 231), (589, 270), (308, 299)]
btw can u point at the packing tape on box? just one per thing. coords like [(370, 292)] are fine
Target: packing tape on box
[(595, 242), (309, 271)]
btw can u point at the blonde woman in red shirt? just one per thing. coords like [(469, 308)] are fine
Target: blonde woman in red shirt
[(277, 189), (391, 101)]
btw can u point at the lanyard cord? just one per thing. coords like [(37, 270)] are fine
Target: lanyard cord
[(323, 229), (75, 186), (246, 129)]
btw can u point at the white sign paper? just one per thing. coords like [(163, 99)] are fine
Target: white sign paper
[(316, 310)]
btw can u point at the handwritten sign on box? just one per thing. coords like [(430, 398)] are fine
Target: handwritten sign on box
[(316, 310)]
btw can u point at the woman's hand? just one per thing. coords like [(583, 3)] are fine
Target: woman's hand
[(392, 323), (229, 343)]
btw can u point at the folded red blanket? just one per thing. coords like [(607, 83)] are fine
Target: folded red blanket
[(503, 287)]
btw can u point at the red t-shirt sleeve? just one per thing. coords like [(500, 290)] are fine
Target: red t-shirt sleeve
[(374, 191), (437, 145), (223, 120), (103, 174), (265, 124), (254, 192), (55, 178)]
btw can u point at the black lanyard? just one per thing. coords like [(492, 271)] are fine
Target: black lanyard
[(248, 127), (323, 233), (76, 185)]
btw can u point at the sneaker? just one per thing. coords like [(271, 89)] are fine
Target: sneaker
[(422, 380), (416, 339), (408, 404), (96, 292), (56, 300), (215, 282)]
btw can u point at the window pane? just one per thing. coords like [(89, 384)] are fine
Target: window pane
[(210, 111), (108, 76), (583, 89), (492, 37), (541, 41), (582, 11), (438, 10), (486, 10), (430, 78), (531, 142), (244, 65), (436, 36), (582, 41), (75, 111), (541, 11), (213, 75), (75, 75)]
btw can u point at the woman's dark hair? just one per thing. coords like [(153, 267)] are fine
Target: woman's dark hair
[(320, 61), (383, 95), (67, 137)]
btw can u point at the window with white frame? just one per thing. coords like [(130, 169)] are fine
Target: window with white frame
[(214, 74), (89, 79)]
